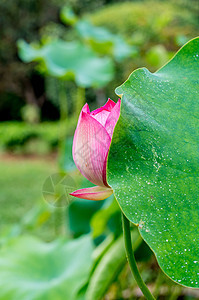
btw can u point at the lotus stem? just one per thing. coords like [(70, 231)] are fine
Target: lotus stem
[(131, 259)]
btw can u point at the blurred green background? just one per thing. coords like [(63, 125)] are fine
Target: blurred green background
[(54, 57)]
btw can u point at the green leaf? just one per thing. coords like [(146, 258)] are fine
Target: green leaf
[(88, 31), (31, 269), (68, 16), (122, 50), (69, 61), (154, 161), (103, 41)]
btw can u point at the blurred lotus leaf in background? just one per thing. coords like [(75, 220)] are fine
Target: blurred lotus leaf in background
[(99, 38), (68, 16), (69, 61), (32, 269)]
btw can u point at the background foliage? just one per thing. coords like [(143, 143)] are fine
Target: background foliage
[(157, 29)]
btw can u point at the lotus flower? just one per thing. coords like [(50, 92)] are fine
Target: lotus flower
[(91, 145)]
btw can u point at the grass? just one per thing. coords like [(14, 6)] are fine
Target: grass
[(21, 183)]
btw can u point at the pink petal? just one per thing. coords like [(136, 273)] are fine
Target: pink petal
[(85, 109), (113, 118), (108, 106), (101, 114), (101, 117), (93, 193), (90, 149)]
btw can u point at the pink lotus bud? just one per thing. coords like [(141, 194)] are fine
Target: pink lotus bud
[(91, 146)]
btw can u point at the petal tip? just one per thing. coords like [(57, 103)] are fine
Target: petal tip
[(95, 193), (85, 108)]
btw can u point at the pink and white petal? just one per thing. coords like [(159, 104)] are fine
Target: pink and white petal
[(107, 106), (90, 149), (101, 114), (101, 117), (93, 193), (85, 109), (113, 118)]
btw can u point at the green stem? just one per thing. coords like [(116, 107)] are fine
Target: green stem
[(131, 259)]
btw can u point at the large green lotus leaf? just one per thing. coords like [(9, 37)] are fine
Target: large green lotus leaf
[(70, 61), (153, 163), (31, 269)]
